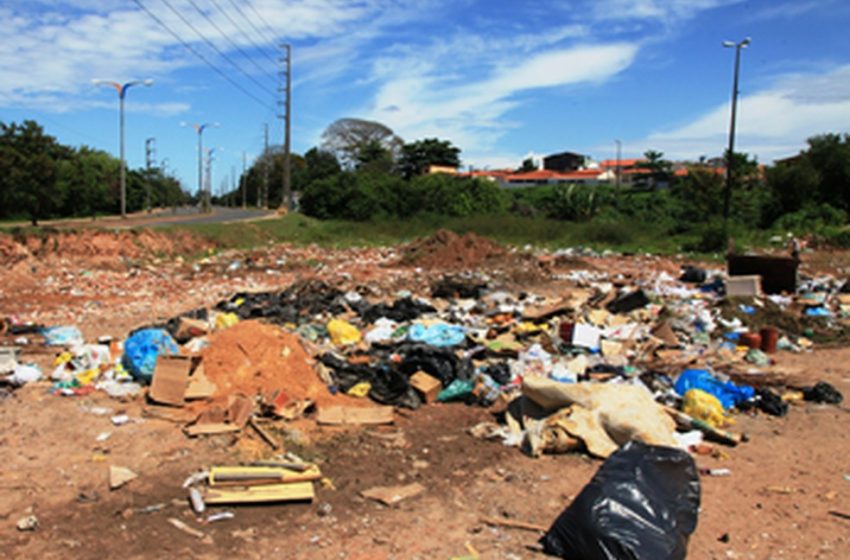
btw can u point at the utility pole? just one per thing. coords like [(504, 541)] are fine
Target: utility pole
[(730, 153), (208, 189), (203, 193), (243, 183), (263, 201), (286, 197), (232, 196), (150, 154)]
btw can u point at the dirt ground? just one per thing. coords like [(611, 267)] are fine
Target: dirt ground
[(775, 505)]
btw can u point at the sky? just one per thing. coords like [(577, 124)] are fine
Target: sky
[(501, 79)]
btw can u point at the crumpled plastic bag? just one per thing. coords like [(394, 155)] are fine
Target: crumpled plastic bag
[(142, 349), (343, 333), (642, 504), (438, 334), (603, 415), (704, 406), (25, 373), (62, 336), (727, 393)]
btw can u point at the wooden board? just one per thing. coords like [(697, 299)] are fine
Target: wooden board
[(267, 493), (218, 475), (428, 386), (210, 429), (341, 415), (169, 380)]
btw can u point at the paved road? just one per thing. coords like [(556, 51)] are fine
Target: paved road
[(219, 215)]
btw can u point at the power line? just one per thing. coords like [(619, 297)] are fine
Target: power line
[(199, 55), (263, 21), (241, 13), (229, 40), (216, 49), (260, 48)]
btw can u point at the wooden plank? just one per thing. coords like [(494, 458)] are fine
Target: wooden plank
[(210, 429), (169, 380), (428, 386), (248, 475), (292, 492), (346, 415)]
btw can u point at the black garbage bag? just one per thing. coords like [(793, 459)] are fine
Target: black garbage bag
[(389, 386), (500, 372), (441, 363), (173, 324), (629, 302), (693, 275), (401, 311), (451, 287), (642, 504), (823, 392), (767, 401)]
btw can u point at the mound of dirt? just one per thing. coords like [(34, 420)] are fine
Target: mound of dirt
[(93, 242), (253, 357), (446, 249)]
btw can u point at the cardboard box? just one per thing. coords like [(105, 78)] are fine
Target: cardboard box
[(743, 286), (169, 380), (428, 386)]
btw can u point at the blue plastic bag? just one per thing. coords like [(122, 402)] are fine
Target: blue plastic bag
[(143, 348), (439, 334), (727, 393)]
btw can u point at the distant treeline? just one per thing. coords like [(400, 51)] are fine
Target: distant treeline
[(41, 178)]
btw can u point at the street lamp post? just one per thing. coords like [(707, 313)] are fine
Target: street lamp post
[(730, 153), (199, 128), (122, 93)]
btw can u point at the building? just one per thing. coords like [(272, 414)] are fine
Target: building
[(564, 161)]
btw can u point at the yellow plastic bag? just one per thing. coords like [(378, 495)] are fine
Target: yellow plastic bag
[(225, 320), (704, 406), (342, 332)]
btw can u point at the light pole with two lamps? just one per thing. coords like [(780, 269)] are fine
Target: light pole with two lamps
[(122, 93), (199, 128)]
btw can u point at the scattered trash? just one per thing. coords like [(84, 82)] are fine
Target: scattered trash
[(27, 523), (823, 392), (119, 476)]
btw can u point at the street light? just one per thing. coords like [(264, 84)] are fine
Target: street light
[(210, 153), (122, 93), (199, 128), (730, 155)]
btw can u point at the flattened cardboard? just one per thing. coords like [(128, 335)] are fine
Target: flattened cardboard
[(169, 381), (210, 429), (346, 415), (391, 495)]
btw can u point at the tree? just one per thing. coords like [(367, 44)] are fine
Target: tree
[(660, 170), (374, 157), (347, 137), (29, 161), (417, 156), (527, 166), (87, 177)]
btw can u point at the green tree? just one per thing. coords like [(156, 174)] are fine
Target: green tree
[(527, 166), (372, 156), (660, 170), (88, 178), (29, 162), (417, 156), (346, 139)]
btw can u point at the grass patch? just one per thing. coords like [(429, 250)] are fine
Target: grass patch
[(506, 229)]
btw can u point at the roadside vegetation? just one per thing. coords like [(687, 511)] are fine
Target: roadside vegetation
[(365, 185)]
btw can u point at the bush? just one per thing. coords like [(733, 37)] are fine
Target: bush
[(710, 239), (812, 218)]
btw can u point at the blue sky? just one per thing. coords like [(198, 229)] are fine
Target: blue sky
[(501, 79)]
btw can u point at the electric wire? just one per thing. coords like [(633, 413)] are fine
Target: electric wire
[(229, 40), (259, 48), (199, 55), (215, 48), (264, 22), (241, 13)]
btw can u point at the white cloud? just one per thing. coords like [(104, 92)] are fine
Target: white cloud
[(425, 95), (665, 10), (771, 124)]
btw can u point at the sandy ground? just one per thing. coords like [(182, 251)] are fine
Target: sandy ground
[(775, 505)]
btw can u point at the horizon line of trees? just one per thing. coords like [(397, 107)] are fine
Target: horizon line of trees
[(41, 178)]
